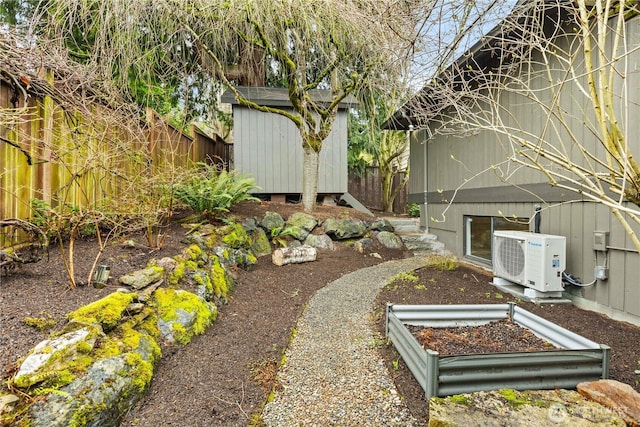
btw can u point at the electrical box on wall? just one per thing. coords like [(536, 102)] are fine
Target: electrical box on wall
[(600, 240)]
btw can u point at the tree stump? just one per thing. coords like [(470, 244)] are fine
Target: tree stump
[(294, 255)]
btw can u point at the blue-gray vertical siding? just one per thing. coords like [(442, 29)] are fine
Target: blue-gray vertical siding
[(268, 147), (452, 162)]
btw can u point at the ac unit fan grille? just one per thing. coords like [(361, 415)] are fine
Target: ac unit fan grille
[(511, 257)]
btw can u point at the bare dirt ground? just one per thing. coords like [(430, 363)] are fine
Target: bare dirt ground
[(224, 376)]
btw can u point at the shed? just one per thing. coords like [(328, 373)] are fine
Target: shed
[(268, 146)]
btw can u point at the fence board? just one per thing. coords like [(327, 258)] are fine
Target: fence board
[(83, 162), (368, 190)]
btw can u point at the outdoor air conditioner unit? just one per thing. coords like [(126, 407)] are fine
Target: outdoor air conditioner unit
[(532, 260)]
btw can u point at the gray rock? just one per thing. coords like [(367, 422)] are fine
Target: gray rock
[(231, 258), (103, 395), (320, 241), (362, 245), (295, 232), (294, 244), (142, 278), (510, 407), (344, 228), (381, 224), (389, 240), (303, 220), (49, 356), (168, 264), (194, 238), (261, 245), (182, 314), (7, 401), (250, 225), (271, 221)]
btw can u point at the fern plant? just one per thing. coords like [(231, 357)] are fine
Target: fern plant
[(212, 191)]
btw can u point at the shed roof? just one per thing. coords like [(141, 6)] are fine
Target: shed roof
[(279, 97)]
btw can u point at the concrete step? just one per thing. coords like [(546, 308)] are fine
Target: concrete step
[(417, 236), (415, 239), (405, 225), (432, 245), (432, 252)]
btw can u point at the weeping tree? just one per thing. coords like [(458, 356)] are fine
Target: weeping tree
[(325, 44), (555, 86)]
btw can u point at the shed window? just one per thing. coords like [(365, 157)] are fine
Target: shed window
[(479, 229)]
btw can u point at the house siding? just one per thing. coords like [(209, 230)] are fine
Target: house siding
[(268, 147), (465, 176)]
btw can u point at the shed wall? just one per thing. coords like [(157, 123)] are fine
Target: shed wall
[(268, 147)]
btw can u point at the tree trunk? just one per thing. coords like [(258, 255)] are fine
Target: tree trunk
[(294, 255), (310, 177)]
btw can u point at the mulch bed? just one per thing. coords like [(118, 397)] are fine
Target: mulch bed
[(500, 336), (224, 376)]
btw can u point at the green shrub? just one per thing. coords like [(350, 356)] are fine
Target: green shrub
[(211, 191), (443, 262), (413, 210)]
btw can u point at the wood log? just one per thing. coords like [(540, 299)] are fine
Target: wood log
[(294, 255)]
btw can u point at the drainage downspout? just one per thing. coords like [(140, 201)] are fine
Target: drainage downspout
[(425, 183)]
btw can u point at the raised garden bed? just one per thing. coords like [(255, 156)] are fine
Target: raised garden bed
[(575, 359)]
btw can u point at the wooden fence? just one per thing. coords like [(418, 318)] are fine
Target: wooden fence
[(368, 190), (59, 157)]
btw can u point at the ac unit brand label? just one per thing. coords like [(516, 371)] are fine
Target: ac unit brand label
[(536, 244)]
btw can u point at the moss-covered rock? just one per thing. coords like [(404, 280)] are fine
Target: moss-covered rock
[(234, 236), (271, 221), (87, 377), (299, 226), (142, 278), (57, 361), (182, 314), (261, 245), (389, 240), (511, 407), (344, 228), (105, 312)]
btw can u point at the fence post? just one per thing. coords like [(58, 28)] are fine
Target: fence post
[(47, 141)]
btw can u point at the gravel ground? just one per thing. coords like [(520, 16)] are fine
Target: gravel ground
[(333, 374)]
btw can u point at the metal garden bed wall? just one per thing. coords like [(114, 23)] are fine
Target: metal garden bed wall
[(576, 360)]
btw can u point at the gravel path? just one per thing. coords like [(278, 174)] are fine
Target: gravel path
[(333, 374)]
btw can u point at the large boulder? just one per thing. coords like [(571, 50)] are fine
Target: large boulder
[(271, 221), (97, 368), (381, 224), (340, 229), (261, 245), (389, 240), (320, 241), (55, 357), (99, 398), (300, 225), (520, 408), (620, 397), (181, 314), (142, 278)]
